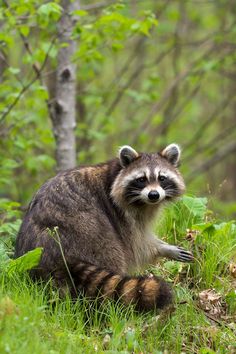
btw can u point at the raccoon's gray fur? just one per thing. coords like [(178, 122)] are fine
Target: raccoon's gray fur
[(103, 215)]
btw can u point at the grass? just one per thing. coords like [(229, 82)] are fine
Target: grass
[(34, 320)]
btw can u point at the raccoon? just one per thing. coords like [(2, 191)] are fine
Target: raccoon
[(103, 216)]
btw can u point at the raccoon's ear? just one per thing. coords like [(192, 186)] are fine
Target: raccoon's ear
[(172, 153), (127, 155)]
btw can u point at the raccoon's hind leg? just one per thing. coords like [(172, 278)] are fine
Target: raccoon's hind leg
[(174, 252), (144, 292)]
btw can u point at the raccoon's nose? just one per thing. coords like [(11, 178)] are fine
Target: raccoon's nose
[(153, 196)]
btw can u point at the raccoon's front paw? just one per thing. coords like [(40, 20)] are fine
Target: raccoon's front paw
[(183, 255), (177, 253)]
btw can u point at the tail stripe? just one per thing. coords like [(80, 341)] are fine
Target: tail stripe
[(139, 290), (120, 286), (109, 287), (83, 274), (104, 283), (93, 280)]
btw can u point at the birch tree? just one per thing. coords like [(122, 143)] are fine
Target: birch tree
[(63, 112)]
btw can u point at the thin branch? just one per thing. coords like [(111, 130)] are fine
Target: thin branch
[(3, 59), (28, 49), (173, 117), (133, 55), (159, 104), (215, 159), (4, 132), (98, 5), (218, 110), (211, 144), (174, 97), (228, 75), (21, 93), (133, 77), (26, 87), (125, 67)]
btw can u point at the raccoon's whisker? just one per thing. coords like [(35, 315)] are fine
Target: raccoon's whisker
[(135, 196), (132, 195), (134, 190), (134, 199), (171, 192)]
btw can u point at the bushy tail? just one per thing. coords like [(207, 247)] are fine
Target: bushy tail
[(145, 292)]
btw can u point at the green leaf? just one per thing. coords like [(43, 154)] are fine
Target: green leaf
[(24, 30), (10, 228), (173, 267), (196, 206), (79, 13), (26, 262), (13, 71), (4, 259), (209, 227), (49, 8), (10, 164)]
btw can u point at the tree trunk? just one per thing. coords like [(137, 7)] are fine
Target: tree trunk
[(63, 112)]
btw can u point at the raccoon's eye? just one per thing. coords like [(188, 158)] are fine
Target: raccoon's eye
[(141, 179), (162, 178)]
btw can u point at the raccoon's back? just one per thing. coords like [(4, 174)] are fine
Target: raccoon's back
[(77, 203)]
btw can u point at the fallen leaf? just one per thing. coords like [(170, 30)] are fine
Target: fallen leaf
[(7, 307), (211, 302), (232, 269), (191, 234), (106, 341)]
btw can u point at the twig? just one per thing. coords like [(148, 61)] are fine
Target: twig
[(219, 109), (169, 120), (132, 56), (174, 97), (212, 318), (216, 158), (38, 71), (26, 87), (159, 104), (125, 67), (28, 49), (133, 77), (211, 144), (98, 5), (12, 105)]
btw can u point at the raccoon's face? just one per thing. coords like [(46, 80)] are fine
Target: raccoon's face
[(147, 178)]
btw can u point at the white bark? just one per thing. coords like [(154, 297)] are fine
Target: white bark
[(63, 111)]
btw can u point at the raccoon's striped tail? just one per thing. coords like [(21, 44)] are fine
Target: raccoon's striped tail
[(145, 292)]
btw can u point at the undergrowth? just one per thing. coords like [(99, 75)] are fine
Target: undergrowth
[(33, 319)]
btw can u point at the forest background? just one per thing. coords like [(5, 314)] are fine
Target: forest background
[(73, 88)]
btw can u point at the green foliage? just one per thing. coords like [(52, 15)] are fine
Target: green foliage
[(215, 246), (190, 224), (9, 225), (26, 262), (181, 215)]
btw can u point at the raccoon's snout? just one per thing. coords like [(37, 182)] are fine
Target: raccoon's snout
[(153, 196)]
